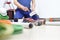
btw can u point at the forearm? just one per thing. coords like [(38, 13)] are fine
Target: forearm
[(33, 5), (18, 4)]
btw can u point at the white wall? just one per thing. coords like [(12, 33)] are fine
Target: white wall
[(48, 8), (45, 8)]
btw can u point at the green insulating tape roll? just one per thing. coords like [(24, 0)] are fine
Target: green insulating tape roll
[(4, 17), (5, 30), (17, 29), (2, 29)]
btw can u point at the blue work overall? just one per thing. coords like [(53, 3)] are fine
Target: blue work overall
[(20, 13)]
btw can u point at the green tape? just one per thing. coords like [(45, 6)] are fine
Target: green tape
[(17, 29), (4, 17)]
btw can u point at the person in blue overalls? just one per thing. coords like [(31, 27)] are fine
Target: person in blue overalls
[(23, 9)]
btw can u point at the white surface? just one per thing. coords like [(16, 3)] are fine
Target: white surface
[(56, 23), (39, 33)]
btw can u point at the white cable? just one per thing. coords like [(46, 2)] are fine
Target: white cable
[(3, 11)]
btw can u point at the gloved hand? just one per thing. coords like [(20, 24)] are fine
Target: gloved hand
[(32, 13)]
